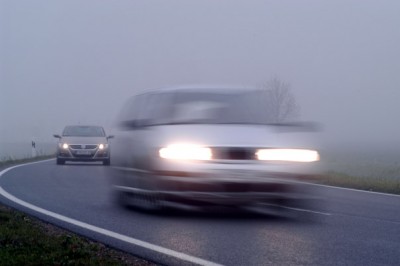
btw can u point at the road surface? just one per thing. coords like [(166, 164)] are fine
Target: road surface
[(350, 227)]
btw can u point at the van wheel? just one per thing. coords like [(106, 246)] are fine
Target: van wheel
[(140, 202), (147, 203), (60, 161)]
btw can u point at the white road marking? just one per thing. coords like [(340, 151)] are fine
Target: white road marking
[(124, 238)]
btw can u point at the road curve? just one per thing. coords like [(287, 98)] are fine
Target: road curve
[(352, 227)]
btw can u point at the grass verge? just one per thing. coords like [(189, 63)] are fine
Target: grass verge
[(376, 184), (28, 241)]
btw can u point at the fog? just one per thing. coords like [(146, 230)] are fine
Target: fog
[(76, 62)]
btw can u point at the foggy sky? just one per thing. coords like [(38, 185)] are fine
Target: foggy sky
[(70, 62)]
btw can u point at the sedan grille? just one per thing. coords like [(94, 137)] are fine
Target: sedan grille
[(83, 146)]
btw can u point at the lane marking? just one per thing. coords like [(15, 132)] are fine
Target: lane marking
[(130, 240)]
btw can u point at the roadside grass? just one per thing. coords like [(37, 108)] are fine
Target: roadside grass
[(364, 167), (370, 183), (28, 241), (9, 161)]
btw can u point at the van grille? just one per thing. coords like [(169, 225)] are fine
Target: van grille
[(234, 153)]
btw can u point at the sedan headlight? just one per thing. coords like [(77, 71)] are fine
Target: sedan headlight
[(291, 155), (185, 152), (103, 146)]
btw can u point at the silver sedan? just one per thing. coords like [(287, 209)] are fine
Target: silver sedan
[(83, 143)]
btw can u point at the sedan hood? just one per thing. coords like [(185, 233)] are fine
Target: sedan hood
[(84, 140)]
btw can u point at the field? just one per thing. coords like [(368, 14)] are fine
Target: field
[(363, 167), (23, 150)]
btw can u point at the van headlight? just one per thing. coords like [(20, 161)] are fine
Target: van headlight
[(65, 146), (291, 155), (185, 152)]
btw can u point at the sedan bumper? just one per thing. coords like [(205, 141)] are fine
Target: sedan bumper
[(83, 155)]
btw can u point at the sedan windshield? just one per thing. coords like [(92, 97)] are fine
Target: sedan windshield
[(84, 131)]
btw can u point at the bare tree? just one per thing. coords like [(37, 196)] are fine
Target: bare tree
[(280, 101)]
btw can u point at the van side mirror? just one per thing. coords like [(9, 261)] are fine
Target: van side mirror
[(57, 136), (110, 137)]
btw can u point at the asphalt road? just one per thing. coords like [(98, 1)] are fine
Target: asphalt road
[(349, 228)]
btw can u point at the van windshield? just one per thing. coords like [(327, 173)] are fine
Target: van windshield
[(199, 107), (223, 108)]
